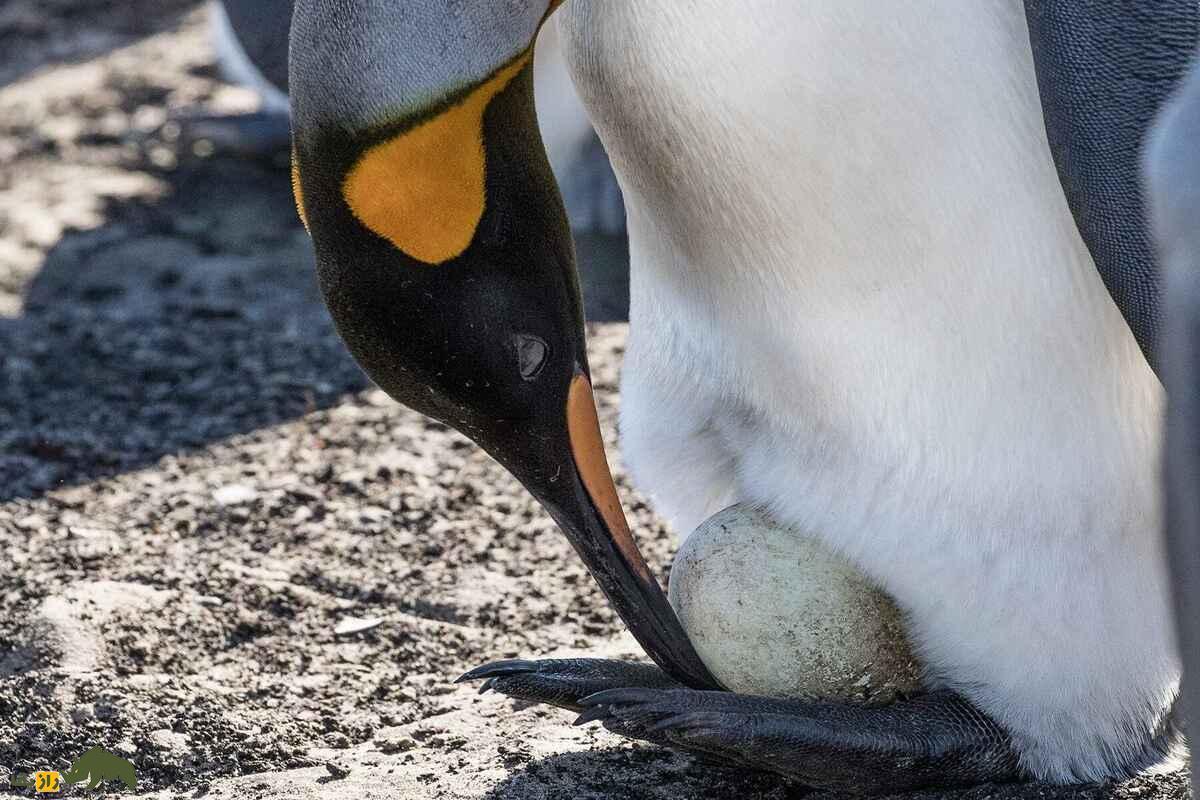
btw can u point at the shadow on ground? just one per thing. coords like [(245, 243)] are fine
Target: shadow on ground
[(593, 778), (543, 778), (38, 33), (182, 320), (176, 323)]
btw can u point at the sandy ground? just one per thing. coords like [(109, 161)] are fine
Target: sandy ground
[(200, 494)]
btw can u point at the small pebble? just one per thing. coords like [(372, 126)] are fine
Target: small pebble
[(234, 494), (352, 625)]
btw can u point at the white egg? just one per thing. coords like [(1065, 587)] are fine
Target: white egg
[(773, 611)]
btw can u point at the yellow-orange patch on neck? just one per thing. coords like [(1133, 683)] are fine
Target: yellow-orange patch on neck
[(298, 190), (423, 191)]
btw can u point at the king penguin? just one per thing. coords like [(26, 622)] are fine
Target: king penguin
[(891, 280)]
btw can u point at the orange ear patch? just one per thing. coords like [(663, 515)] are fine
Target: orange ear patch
[(423, 191), (587, 448)]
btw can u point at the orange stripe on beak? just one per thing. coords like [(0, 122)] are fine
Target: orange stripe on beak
[(587, 448)]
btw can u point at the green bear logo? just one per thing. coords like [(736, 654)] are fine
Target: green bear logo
[(98, 765)]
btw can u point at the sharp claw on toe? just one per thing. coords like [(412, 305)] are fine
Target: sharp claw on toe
[(591, 715), (496, 669)]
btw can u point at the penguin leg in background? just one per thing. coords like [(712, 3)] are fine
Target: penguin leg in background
[(589, 187), (250, 38), (444, 255), (1172, 167)]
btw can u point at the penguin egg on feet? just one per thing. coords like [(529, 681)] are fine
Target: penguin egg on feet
[(773, 611)]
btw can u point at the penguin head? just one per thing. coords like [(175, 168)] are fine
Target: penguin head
[(445, 257)]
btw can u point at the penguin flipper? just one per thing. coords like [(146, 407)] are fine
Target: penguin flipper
[(1173, 177), (937, 739), (1104, 69)]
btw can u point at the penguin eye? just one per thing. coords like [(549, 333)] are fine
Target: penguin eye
[(531, 354)]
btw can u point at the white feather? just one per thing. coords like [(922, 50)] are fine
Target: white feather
[(859, 298)]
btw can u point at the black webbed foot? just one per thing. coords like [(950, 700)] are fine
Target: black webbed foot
[(937, 739)]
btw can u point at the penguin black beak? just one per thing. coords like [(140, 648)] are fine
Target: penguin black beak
[(445, 258), (596, 526)]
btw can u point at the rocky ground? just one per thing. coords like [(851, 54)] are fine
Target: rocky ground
[(226, 556)]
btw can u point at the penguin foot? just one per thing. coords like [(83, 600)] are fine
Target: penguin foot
[(565, 682), (262, 134), (934, 740)]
